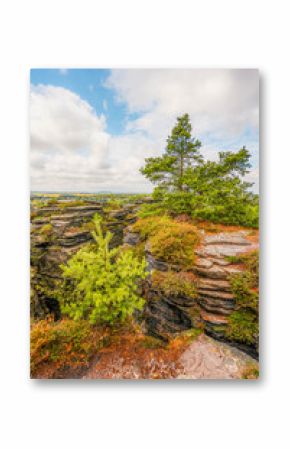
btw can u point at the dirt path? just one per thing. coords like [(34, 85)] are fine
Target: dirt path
[(204, 358)]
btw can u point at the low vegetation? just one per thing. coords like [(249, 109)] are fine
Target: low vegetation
[(56, 347), (169, 240), (175, 284), (99, 284), (244, 321)]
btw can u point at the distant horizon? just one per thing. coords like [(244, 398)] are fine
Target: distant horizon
[(92, 192)]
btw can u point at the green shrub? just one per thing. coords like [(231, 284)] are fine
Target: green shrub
[(151, 210), (245, 295), (245, 284), (150, 225), (175, 244), (170, 240), (244, 322), (101, 285), (174, 284), (243, 327), (113, 204)]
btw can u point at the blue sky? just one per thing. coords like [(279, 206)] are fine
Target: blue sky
[(92, 128), (89, 85)]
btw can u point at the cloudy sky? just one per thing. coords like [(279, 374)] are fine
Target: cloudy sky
[(90, 130)]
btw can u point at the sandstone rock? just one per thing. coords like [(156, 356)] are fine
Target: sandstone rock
[(162, 318), (119, 214), (213, 273), (221, 262), (214, 284), (224, 250), (215, 294), (208, 359), (132, 238), (155, 264), (229, 238), (203, 263), (216, 306), (213, 319)]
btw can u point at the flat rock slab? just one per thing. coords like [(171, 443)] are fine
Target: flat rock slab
[(213, 318), (214, 284), (228, 238), (203, 263), (213, 273), (224, 250), (219, 294), (208, 359)]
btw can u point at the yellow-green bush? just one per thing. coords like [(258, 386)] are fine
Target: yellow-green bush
[(244, 321), (243, 327), (150, 225), (175, 244), (174, 284), (170, 240)]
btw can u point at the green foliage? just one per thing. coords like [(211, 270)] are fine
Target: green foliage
[(245, 284), (174, 284), (207, 190), (100, 285), (175, 244), (151, 210), (244, 322), (169, 240), (182, 152), (245, 296), (148, 226), (113, 204), (243, 327)]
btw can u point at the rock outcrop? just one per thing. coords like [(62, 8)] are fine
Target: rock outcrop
[(213, 269), (215, 262)]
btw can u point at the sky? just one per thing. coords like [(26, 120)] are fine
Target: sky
[(91, 129)]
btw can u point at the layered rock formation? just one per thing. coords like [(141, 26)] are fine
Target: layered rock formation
[(214, 264), (213, 269)]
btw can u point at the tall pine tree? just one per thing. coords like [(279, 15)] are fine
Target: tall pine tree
[(181, 153), (186, 183)]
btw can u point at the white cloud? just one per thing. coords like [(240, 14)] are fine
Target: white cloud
[(221, 102), (71, 150), (223, 105)]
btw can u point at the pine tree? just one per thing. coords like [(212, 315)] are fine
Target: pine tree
[(188, 184), (182, 152), (100, 284)]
